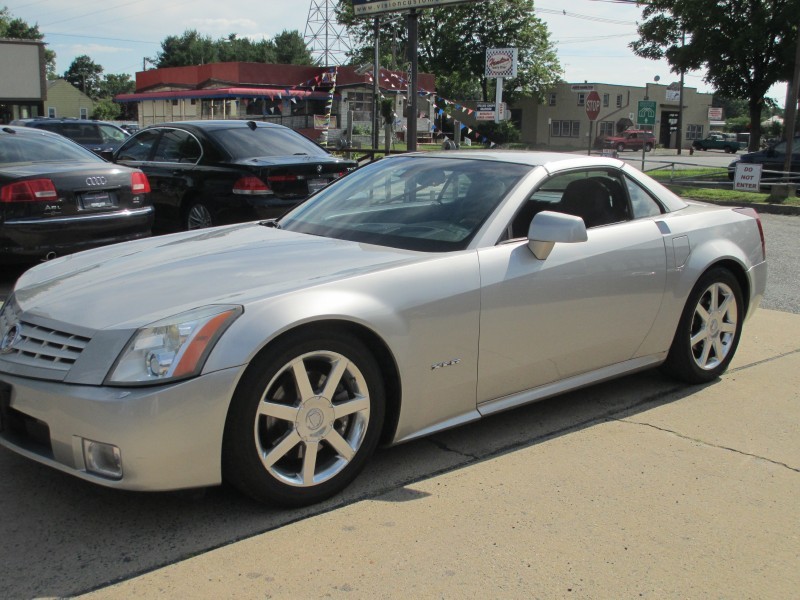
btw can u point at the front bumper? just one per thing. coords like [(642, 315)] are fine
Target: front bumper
[(169, 437)]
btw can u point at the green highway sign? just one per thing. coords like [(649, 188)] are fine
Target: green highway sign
[(646, 114)]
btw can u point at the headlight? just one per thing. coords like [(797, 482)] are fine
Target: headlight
[(173, 348)]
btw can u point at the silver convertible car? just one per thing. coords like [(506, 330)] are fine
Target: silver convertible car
[(415, 294)]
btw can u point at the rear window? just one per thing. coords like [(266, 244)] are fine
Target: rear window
[(244, 142), (16, 148)]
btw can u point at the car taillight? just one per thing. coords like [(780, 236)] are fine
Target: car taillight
[(251, 186), (139, 183), (750, 212), (32, 190)]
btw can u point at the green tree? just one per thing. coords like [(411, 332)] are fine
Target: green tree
[(291, 49), (106, 109), (192, 48), (745, 46), (18, 29), (113, 85), (85, 75), (453, 41)]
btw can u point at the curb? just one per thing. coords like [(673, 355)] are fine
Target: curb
[(772, 209)]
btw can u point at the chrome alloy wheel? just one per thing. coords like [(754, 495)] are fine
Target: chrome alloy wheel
[(312, 419), (714, 326), (199, 217)]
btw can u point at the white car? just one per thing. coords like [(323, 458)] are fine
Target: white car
[(415, 294)]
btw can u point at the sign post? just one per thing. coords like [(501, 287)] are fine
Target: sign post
[(500, 63), (645, 115), (592, 106)]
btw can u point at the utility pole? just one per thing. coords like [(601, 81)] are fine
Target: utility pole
[(792, 93), (411, 129)]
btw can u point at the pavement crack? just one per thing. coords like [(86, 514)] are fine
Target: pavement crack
[(446, 448), (705, 443), (764, 361)]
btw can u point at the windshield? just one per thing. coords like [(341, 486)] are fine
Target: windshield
[(411, 202), (243, 142), (19, 148)]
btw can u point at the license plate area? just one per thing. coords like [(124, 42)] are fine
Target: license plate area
[(315, 185), (95, 200)]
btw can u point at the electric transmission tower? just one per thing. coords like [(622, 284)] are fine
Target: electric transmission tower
[(326, 39)]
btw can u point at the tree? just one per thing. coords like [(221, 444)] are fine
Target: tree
[(114, 85), (17, 29), (745, 46), (291, 49), (106, 109), (453, 42), (192, 48), (85, 74)]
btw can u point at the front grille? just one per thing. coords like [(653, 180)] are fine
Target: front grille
[(32, 345)]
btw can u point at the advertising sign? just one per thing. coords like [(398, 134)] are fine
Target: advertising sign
[(369, 8), (747, 177), (485, 111), (646, 113), (715, 114), (501, 62)]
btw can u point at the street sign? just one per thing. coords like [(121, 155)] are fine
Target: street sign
[(592, 103), (646, 114), (747, 177)]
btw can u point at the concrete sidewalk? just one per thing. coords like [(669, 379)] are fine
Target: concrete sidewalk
[(694, 496)]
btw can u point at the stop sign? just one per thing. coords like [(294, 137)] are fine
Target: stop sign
[(592, 105)]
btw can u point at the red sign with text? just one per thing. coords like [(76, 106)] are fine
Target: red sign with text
[(592, 105)]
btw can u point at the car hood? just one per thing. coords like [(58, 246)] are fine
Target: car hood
[(133, 284)]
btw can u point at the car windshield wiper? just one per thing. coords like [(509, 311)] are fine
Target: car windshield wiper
[(270, 223)]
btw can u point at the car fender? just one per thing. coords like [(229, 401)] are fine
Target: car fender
[(426, 314)]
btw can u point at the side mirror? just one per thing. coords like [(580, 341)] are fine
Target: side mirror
[(549, 227)]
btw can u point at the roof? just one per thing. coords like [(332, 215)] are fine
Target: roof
[(227, 92)]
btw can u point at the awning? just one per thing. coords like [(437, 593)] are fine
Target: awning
[(231, 92)]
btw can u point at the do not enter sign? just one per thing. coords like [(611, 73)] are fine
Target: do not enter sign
[(592, 105)]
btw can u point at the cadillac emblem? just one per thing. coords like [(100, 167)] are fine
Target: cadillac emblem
[(11, 337)]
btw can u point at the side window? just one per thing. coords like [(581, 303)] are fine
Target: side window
[(597, 196), (177, 146), (111, 134), (642, 203), (139, 146)]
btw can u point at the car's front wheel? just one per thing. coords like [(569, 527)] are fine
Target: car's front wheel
[(620, 147), (305, 418), (709, 330), (648, 147)]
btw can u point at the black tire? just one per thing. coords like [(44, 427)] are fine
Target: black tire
[(648, 147), (713, 318), (267, 445), (620, 147), (729, 150), (197, 215)]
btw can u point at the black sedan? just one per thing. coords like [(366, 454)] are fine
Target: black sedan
[(206, 173), (57, 197), (773, 160)]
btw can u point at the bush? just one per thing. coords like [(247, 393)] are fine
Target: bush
[(504, 132)]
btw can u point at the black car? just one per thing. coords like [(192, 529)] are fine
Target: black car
[(57, 198), (96, 136), (772, 159), (206, 173)]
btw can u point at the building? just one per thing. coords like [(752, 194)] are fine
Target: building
[(562, 123), (23, 79), (307, 98), (64, 100)]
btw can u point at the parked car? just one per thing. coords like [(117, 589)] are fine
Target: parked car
[(773, 161), (57, 198), (719, 141), (631, 139), (420, 292), (96, 136), (206, 173)]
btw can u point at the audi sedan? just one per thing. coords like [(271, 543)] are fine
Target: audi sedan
[(206, 173), (418, 293), (57, 197)]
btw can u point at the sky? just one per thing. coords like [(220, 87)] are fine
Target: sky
[(591, 37)]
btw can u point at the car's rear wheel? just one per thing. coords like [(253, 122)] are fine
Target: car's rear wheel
[(648, 147), (709, 330), (304, 420), (620, 147), (198, 216)]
